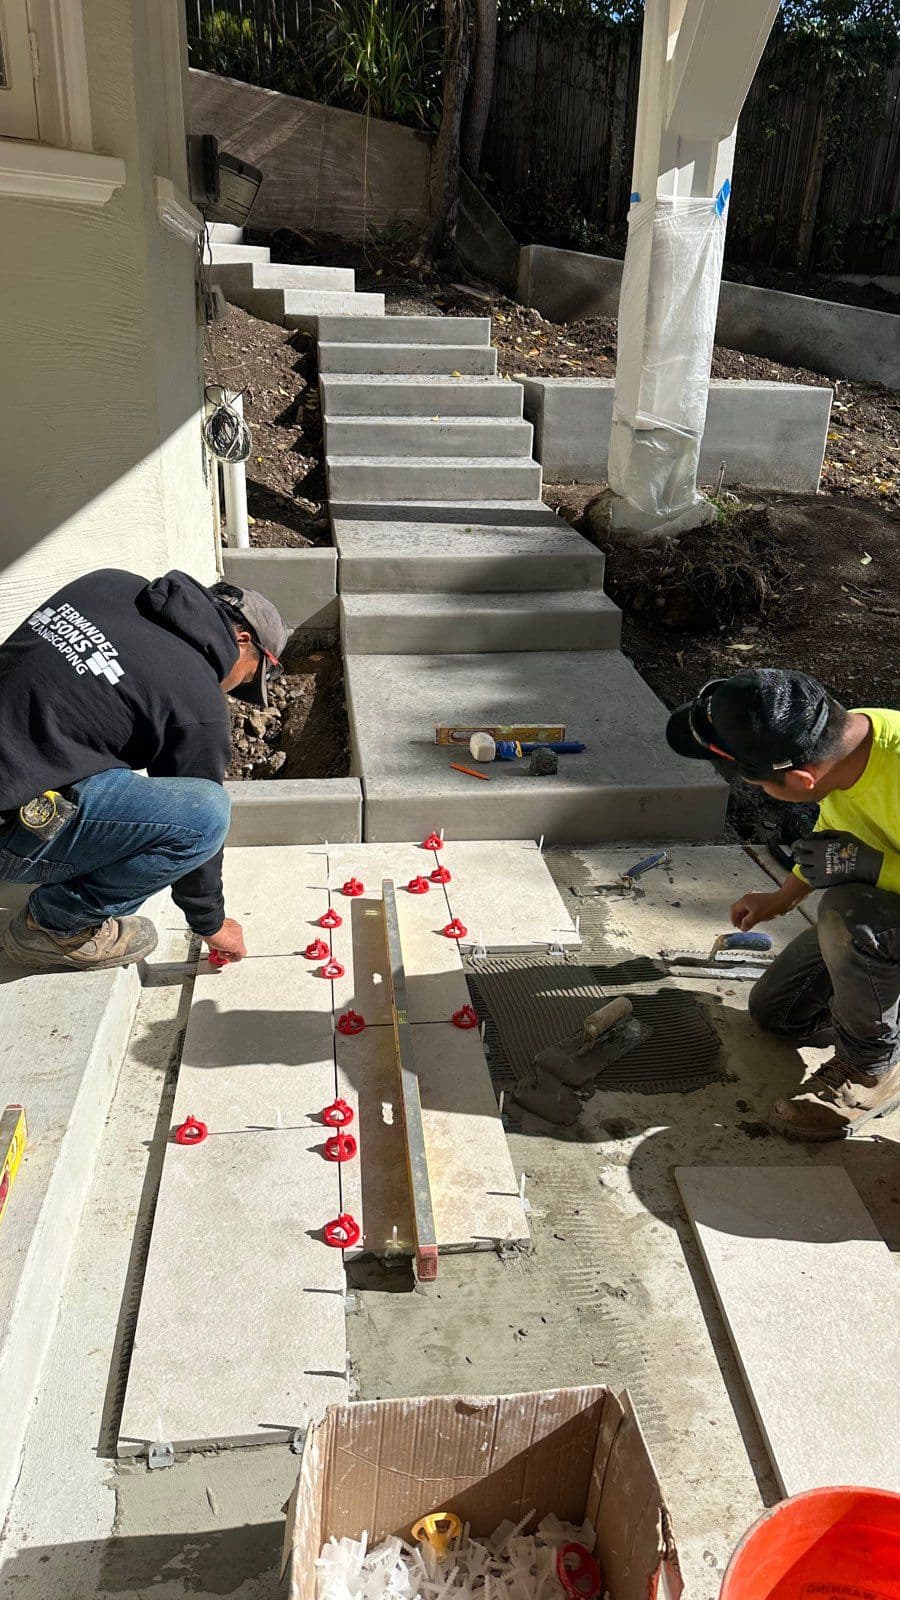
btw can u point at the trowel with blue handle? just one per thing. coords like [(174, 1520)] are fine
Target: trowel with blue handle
[(733, 955)]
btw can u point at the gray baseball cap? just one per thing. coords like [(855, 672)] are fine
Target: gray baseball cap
[(270, 635)]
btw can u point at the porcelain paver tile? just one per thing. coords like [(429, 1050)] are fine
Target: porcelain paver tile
[(810, 1297), (241, 1331)]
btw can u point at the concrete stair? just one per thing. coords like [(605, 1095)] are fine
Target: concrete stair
[(498, 437), (454, 361), (427, 331), (465, 599), (403, 394), (379, 478), (294, 296), (452, 624), (394, 558)]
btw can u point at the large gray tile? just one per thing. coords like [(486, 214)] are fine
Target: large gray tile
[(474, 1189), (436, 986), (811, 1300), (503, 893), (241, 1330)]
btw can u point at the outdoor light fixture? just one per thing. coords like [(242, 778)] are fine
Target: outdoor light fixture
[(222, 186)]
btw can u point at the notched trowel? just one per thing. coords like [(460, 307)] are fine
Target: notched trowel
[(573, 1064), (733, 955)]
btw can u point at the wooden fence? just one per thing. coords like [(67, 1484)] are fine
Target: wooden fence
[(816, 182), (817, 173)]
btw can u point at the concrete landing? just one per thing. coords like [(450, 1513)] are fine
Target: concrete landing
[(627, 785), (463, 557), (62, 1037), (447, 624)]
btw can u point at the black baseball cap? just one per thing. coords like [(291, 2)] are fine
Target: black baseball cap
[(765, 721), (267, 629)]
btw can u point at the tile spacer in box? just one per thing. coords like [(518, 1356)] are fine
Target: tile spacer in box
[(342, 1232), (317, 951), (455, 929), (418, 886), (338, 1114), (433, 842), (465, 1017), (330, 919), (350, 1022), (191, 1132), (331, 969), (440, 875), (353, 887), (340, 1147)]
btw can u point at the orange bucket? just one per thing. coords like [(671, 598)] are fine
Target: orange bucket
[(828, 1544)]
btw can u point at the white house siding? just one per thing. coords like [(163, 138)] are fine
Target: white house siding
[(100, 386)]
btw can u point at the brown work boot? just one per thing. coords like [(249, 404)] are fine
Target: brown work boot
[(117, 942), (835, 1101)]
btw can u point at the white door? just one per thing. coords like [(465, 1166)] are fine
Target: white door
[(18, 106)]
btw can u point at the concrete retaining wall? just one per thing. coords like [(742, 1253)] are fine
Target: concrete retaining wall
[(323, 169), (301, 583), (295, 811), (770, 435), (841, 341)]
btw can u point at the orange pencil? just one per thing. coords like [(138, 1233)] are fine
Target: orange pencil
[(469, 771)]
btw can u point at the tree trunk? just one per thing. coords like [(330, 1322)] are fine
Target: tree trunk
[(443, 192), (481, 88)]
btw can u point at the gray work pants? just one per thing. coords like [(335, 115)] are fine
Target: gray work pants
[(839, 982)]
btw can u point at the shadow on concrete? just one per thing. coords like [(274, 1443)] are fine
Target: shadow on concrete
[(235, 1561)]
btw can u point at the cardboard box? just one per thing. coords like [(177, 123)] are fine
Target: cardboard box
[(379, 1465)]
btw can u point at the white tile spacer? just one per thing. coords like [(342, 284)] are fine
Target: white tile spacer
[(541, 845), (441, 836), (500, 1103)]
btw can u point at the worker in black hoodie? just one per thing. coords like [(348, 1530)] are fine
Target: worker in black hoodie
[(110, 678)]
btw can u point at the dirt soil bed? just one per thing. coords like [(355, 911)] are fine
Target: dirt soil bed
[(303, 732), (863, 455), (276, 369), (782, 580)]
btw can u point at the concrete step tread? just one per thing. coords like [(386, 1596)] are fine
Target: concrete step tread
[(385, 380), (410, 421), (626, 785), (436, 361), (525, 512), (419, 330), (501, 463), (447, 623), (398, 557), (438, 603), (281, 275), (238, 255), (296, 300)]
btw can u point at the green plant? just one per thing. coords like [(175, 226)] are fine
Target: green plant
[(383, 57), (228, 46)]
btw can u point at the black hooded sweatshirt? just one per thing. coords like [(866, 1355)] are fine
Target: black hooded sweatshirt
[(114, 671)]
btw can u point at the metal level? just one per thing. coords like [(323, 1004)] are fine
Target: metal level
[(424, 1233)]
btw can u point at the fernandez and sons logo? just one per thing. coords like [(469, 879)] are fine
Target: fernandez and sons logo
[(78, 641)]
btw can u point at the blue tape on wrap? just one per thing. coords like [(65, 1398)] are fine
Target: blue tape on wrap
[(722, 197), (635, 199)]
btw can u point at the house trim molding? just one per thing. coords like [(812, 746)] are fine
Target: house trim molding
[(176, 212), (42, 172)]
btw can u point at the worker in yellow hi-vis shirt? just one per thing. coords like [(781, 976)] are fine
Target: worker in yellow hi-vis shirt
[(839, 982)]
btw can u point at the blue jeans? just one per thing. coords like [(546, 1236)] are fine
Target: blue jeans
[(130, 837)]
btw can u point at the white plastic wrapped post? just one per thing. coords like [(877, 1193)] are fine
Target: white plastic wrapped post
[(667, 320)]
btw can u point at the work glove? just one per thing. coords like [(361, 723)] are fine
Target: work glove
[(827, 859)]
